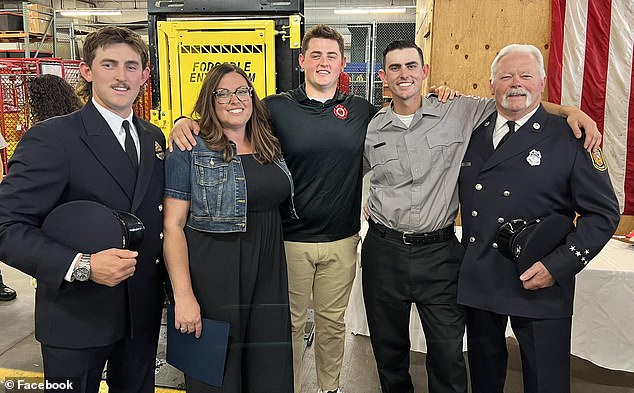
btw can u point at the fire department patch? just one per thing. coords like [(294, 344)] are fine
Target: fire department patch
[(598, 161), (340, 112)]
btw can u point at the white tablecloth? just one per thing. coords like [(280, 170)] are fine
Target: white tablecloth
[(603, 321)]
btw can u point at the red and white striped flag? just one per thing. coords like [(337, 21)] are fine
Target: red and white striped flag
[(590, 66)]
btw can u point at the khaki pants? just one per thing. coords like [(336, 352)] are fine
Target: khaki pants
[(325, 270)]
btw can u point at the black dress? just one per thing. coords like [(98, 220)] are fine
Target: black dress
[(241, 278)]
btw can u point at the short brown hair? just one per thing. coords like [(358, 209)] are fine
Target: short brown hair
[(402, 44), (322, 31), (266, 147), (102, 38)]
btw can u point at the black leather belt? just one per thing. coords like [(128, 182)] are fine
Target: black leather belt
[(418, 239)]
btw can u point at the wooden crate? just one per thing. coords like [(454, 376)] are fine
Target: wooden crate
[(38, 18)]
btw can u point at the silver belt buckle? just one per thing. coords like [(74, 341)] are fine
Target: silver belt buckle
[(405, 241)]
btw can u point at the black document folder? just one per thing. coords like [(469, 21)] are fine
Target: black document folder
[(200, 358)]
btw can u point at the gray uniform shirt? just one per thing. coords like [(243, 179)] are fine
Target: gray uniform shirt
[(414, 185)]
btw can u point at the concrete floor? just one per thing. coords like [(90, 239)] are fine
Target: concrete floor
[(20, 351)]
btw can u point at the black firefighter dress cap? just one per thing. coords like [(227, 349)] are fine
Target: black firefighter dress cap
[(91, 227), (528, 241)]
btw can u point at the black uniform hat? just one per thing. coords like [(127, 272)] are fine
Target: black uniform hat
[(528, 241), (91, 227)]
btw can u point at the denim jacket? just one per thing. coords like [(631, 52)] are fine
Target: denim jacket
[(216, 189)]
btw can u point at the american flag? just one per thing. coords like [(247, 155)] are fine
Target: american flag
[(590, 66)]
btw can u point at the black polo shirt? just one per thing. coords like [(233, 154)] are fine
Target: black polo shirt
[(323, 147)]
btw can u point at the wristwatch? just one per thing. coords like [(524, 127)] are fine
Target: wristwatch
[(82, 271)]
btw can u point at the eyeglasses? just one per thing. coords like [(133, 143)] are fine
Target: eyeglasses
[(223, 96)]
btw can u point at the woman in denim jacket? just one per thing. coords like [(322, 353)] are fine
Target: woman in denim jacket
[(223, 242)]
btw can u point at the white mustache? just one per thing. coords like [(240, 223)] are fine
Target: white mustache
[(517, 92)]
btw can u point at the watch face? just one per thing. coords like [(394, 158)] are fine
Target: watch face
[(81, 274)]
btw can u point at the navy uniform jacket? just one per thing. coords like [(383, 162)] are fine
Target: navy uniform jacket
[(77, 157), (540, 170)]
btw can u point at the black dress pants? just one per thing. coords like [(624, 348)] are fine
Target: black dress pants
[(395, 275), (544, 348), (131, 364)]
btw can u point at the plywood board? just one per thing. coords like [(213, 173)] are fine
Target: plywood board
[(465, 36)]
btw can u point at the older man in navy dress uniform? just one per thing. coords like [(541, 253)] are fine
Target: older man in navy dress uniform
[(519, 164)]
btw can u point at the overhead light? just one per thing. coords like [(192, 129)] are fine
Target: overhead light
[(90, 12), (370, 10)]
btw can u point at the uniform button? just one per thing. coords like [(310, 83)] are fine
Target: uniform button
[(506, 193), (161, 235), (472, 239), (494, 245), (501, 220), (478, 186), (160, 207), (474, 213), (157, 261)]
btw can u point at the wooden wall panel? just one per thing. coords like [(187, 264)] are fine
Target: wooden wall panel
[(465, 36)]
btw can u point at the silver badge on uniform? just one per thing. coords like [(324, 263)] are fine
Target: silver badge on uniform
[(534, 158), (487, 123), (158, 150)]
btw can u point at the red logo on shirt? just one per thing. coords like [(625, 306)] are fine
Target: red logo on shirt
[(341, 112)]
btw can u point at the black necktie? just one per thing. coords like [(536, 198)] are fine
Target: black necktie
[(511, 125), (130, 147)]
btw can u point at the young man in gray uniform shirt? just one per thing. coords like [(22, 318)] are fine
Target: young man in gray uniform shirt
[(410, 254)]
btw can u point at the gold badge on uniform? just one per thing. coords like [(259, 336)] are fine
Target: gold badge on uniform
[(598, 161), (158, 150)]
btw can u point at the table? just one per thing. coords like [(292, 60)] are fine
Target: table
[(603, 320)]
